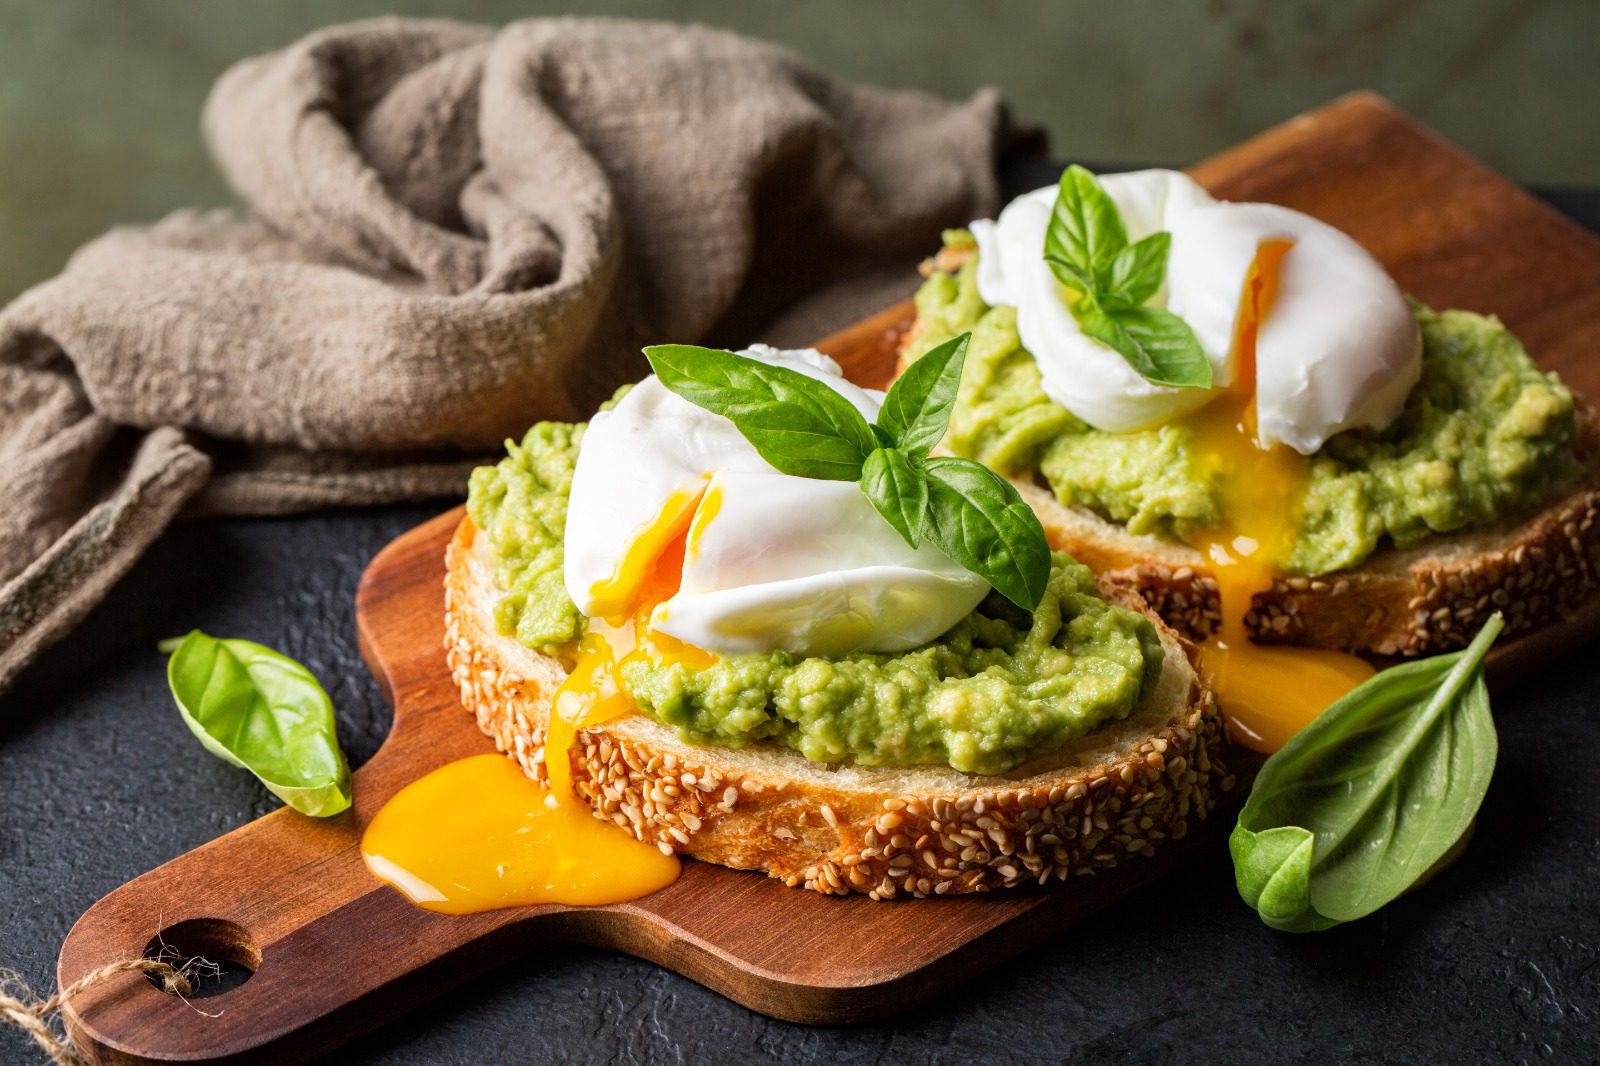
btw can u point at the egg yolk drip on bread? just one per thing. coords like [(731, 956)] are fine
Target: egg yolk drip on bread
[(1304, 336), (648, 575), (479, 834), (1268, 693)]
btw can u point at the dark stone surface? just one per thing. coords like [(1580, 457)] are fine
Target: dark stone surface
[(1497, 960)]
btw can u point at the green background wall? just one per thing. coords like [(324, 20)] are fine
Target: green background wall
[(99, 99)]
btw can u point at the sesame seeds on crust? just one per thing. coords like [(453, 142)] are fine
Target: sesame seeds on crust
[(722, 806), (1412, 603)]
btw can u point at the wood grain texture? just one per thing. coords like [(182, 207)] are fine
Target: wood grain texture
[(335, 953)]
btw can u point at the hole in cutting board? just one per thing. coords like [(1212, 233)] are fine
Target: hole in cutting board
[(227, 945)]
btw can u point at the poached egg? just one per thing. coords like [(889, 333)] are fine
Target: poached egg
[(768, 561), (1340, 349)]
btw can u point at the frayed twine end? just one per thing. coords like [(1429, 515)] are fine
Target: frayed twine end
[(39, 1018)]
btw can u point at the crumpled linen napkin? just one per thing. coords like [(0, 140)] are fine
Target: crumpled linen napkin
[(450, 232)]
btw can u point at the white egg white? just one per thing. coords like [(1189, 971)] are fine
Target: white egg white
[(810, 567), (1338, 349), (781, 563)]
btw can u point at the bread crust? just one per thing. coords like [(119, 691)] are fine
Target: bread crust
[(884, 832), (1536, 568)]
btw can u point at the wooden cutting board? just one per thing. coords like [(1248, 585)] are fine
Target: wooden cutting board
[(333, 953)]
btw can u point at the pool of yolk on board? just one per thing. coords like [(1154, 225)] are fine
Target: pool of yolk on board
[(1267, 693), (479, 834)]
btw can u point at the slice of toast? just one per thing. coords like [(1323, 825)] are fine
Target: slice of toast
[(1537, 567), (883, 831), (1432, 597)]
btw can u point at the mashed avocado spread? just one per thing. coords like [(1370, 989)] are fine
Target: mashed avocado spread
[(1483, 433), (997, 689)]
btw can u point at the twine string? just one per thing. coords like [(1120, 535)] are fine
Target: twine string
[(21, 1007)]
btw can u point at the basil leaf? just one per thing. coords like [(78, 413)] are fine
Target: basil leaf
[(799, 425), (262, 711), (917, 408), (1085, 232), (1087, 249), (1137, 272), (976, 517), (898, 490), (1273, 871), (802, 427), (1158, 344), (1071, 275), (1369, 796)]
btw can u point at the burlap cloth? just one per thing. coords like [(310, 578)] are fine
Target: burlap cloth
[(451, 231)]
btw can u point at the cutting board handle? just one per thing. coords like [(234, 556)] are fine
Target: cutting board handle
[(318, 949), (286, 904)]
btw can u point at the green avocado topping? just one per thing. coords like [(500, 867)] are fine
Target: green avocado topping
[(999, 688), (521, 503), (1484, 433)]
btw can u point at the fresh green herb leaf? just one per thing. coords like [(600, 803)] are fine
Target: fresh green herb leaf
[(1085, 232), (1155, 342), (898, 490), (1071, 275), (976, 517), (1137, 272), (917, 408), (1368, 797), (1273, 869), (799, 425), (1086, 247), (802, 427), (264, 712)]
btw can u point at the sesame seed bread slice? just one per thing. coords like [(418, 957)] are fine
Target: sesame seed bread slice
[(882, 831), (1537, 568)]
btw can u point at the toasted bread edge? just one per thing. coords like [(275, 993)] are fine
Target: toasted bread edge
[(775, 812)]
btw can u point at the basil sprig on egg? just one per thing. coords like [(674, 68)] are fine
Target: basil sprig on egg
[(804, 428), (1112, 282), (1365, 800)]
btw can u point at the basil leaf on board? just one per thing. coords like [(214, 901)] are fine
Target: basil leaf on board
[(799, 425), (898, 490), (1137, 272), (917, 409), (262, 711), (1368, 797), (1158, 344), (1085, 232), (977, 517)]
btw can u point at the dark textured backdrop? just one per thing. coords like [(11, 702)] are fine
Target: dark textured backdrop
[(1496, 960)]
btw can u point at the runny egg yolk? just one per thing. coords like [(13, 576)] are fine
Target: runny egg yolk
[(479, 834), (1267, 693), (647, 576)]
